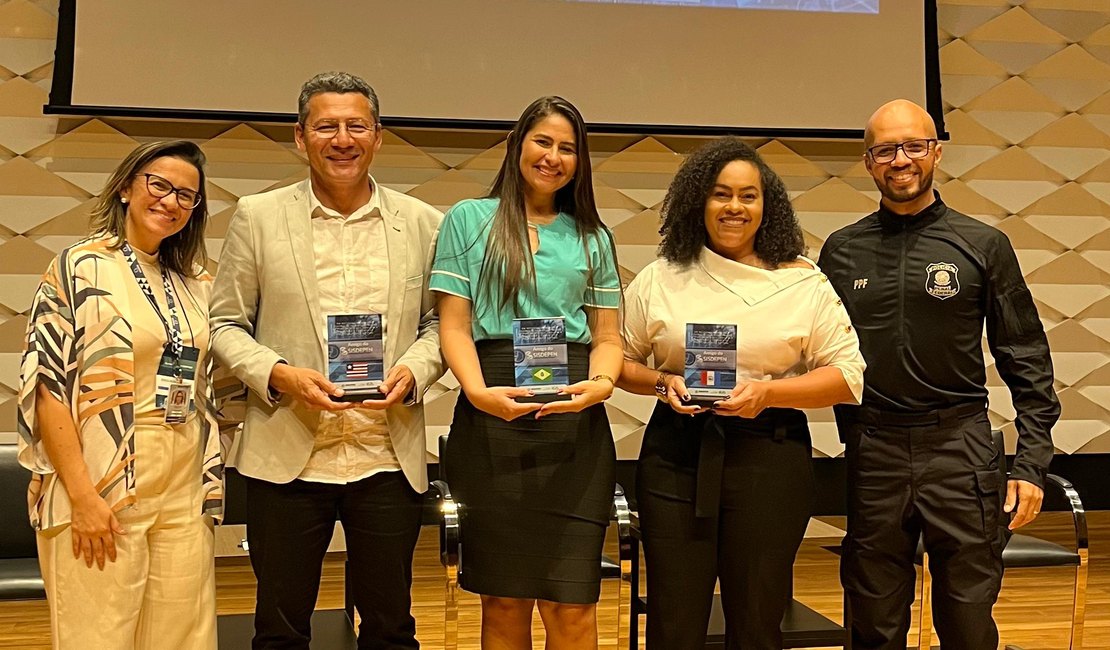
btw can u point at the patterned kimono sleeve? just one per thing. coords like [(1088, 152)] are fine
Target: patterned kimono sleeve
[(49, 359), (217, 435)]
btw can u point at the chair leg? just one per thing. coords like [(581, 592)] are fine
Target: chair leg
[(1079, 608), (847, 623), (624, 584), (451, 608), (348, 596), (925, 597), (634, 611)]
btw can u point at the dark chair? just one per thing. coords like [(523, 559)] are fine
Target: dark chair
[(1026, 551), (453, 516), (20, 578), (331, 629)]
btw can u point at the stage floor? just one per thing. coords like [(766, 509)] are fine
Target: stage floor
[(1032, 612)]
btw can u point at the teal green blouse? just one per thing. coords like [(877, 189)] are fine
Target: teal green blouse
[(561, 272)]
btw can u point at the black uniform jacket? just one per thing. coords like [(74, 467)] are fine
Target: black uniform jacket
[(919, 289)]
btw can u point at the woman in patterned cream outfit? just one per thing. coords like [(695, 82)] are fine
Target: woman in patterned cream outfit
[(124, 488)]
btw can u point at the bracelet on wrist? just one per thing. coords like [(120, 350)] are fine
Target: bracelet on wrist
[(661, 384), (607, 378)]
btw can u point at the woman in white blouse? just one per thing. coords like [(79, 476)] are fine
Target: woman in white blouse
[(725, 490)]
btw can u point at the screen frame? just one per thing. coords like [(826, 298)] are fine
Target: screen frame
[(61, 103)]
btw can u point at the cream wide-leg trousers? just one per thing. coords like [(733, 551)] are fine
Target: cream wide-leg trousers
[(160, 591)]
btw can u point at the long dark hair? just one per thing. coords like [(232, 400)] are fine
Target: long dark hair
[(181, 252), (779, 238), (508, 259)]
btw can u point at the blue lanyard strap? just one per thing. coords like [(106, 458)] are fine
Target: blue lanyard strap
[(173, 333)]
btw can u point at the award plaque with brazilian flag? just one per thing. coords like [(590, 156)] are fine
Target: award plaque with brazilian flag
[(540, 357), (710, 372)]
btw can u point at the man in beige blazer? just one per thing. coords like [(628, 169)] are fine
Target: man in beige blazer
[(337, 243)]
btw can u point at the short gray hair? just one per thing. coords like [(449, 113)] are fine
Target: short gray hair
[(335, 82)]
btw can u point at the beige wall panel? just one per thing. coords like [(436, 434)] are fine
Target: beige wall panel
[(12, 333), (965, 130), (453, 148), (1100, 445), (488, 161), (1071, 231), (1071, 435), (642, 229), (615, 207), (957, 194), (1029, 153), (23, 55), (819, 225), (1014, 195), (1014, 164), (960, 17), (958, 59), (21, 98), (1074, 63), (836, 193), (449, 188), (22, 19), (959, 159), (243, 161), (1068, 299), (1074, 19), (86, 156), (1098, 44), (1070, 162)]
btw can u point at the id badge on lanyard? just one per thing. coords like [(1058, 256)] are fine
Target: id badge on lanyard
[(175, 383), (177, 369)]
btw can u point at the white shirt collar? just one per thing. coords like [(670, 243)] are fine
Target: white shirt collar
[(751, 283), (370, 208)]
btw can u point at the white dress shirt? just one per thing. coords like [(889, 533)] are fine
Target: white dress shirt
[(352, 276), (789, 320)]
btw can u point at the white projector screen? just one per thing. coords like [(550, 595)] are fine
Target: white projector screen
[(772, 66)]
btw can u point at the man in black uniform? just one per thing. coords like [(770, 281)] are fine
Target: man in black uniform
[(919, 280)]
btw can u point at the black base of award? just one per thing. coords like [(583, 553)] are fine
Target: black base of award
[(359, 396), (543, 399)]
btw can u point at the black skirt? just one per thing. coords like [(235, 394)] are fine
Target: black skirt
[(535, 494)]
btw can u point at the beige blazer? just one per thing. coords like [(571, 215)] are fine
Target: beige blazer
[(266, 308)]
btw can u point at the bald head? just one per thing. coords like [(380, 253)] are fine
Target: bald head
[(900, 116), (904, 178)]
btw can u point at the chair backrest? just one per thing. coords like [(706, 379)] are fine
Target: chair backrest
[(443, 458), (235, 497), (17, 538)]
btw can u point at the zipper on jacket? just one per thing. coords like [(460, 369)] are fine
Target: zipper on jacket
[(902, 292)]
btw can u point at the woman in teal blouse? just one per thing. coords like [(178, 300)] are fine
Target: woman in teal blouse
[(536, 479)]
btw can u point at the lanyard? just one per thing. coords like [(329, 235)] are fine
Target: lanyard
[(173, 334)]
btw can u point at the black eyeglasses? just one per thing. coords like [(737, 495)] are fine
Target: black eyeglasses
[(357, 130), (914, 150), (161, 188)]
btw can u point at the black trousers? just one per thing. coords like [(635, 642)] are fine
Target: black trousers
[(289, 527), (934, 474), (753, 482)]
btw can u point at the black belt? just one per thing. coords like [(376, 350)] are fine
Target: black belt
[(944, 417), (771, 423)]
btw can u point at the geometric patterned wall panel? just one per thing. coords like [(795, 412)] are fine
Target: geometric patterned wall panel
[(1027, 99)]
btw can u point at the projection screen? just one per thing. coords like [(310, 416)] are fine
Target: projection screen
[(766, 66)]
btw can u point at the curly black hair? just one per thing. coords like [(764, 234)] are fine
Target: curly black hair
[(779, 238)]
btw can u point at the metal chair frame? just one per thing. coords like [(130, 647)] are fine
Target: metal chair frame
[(453, 514), (1082, 553)]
